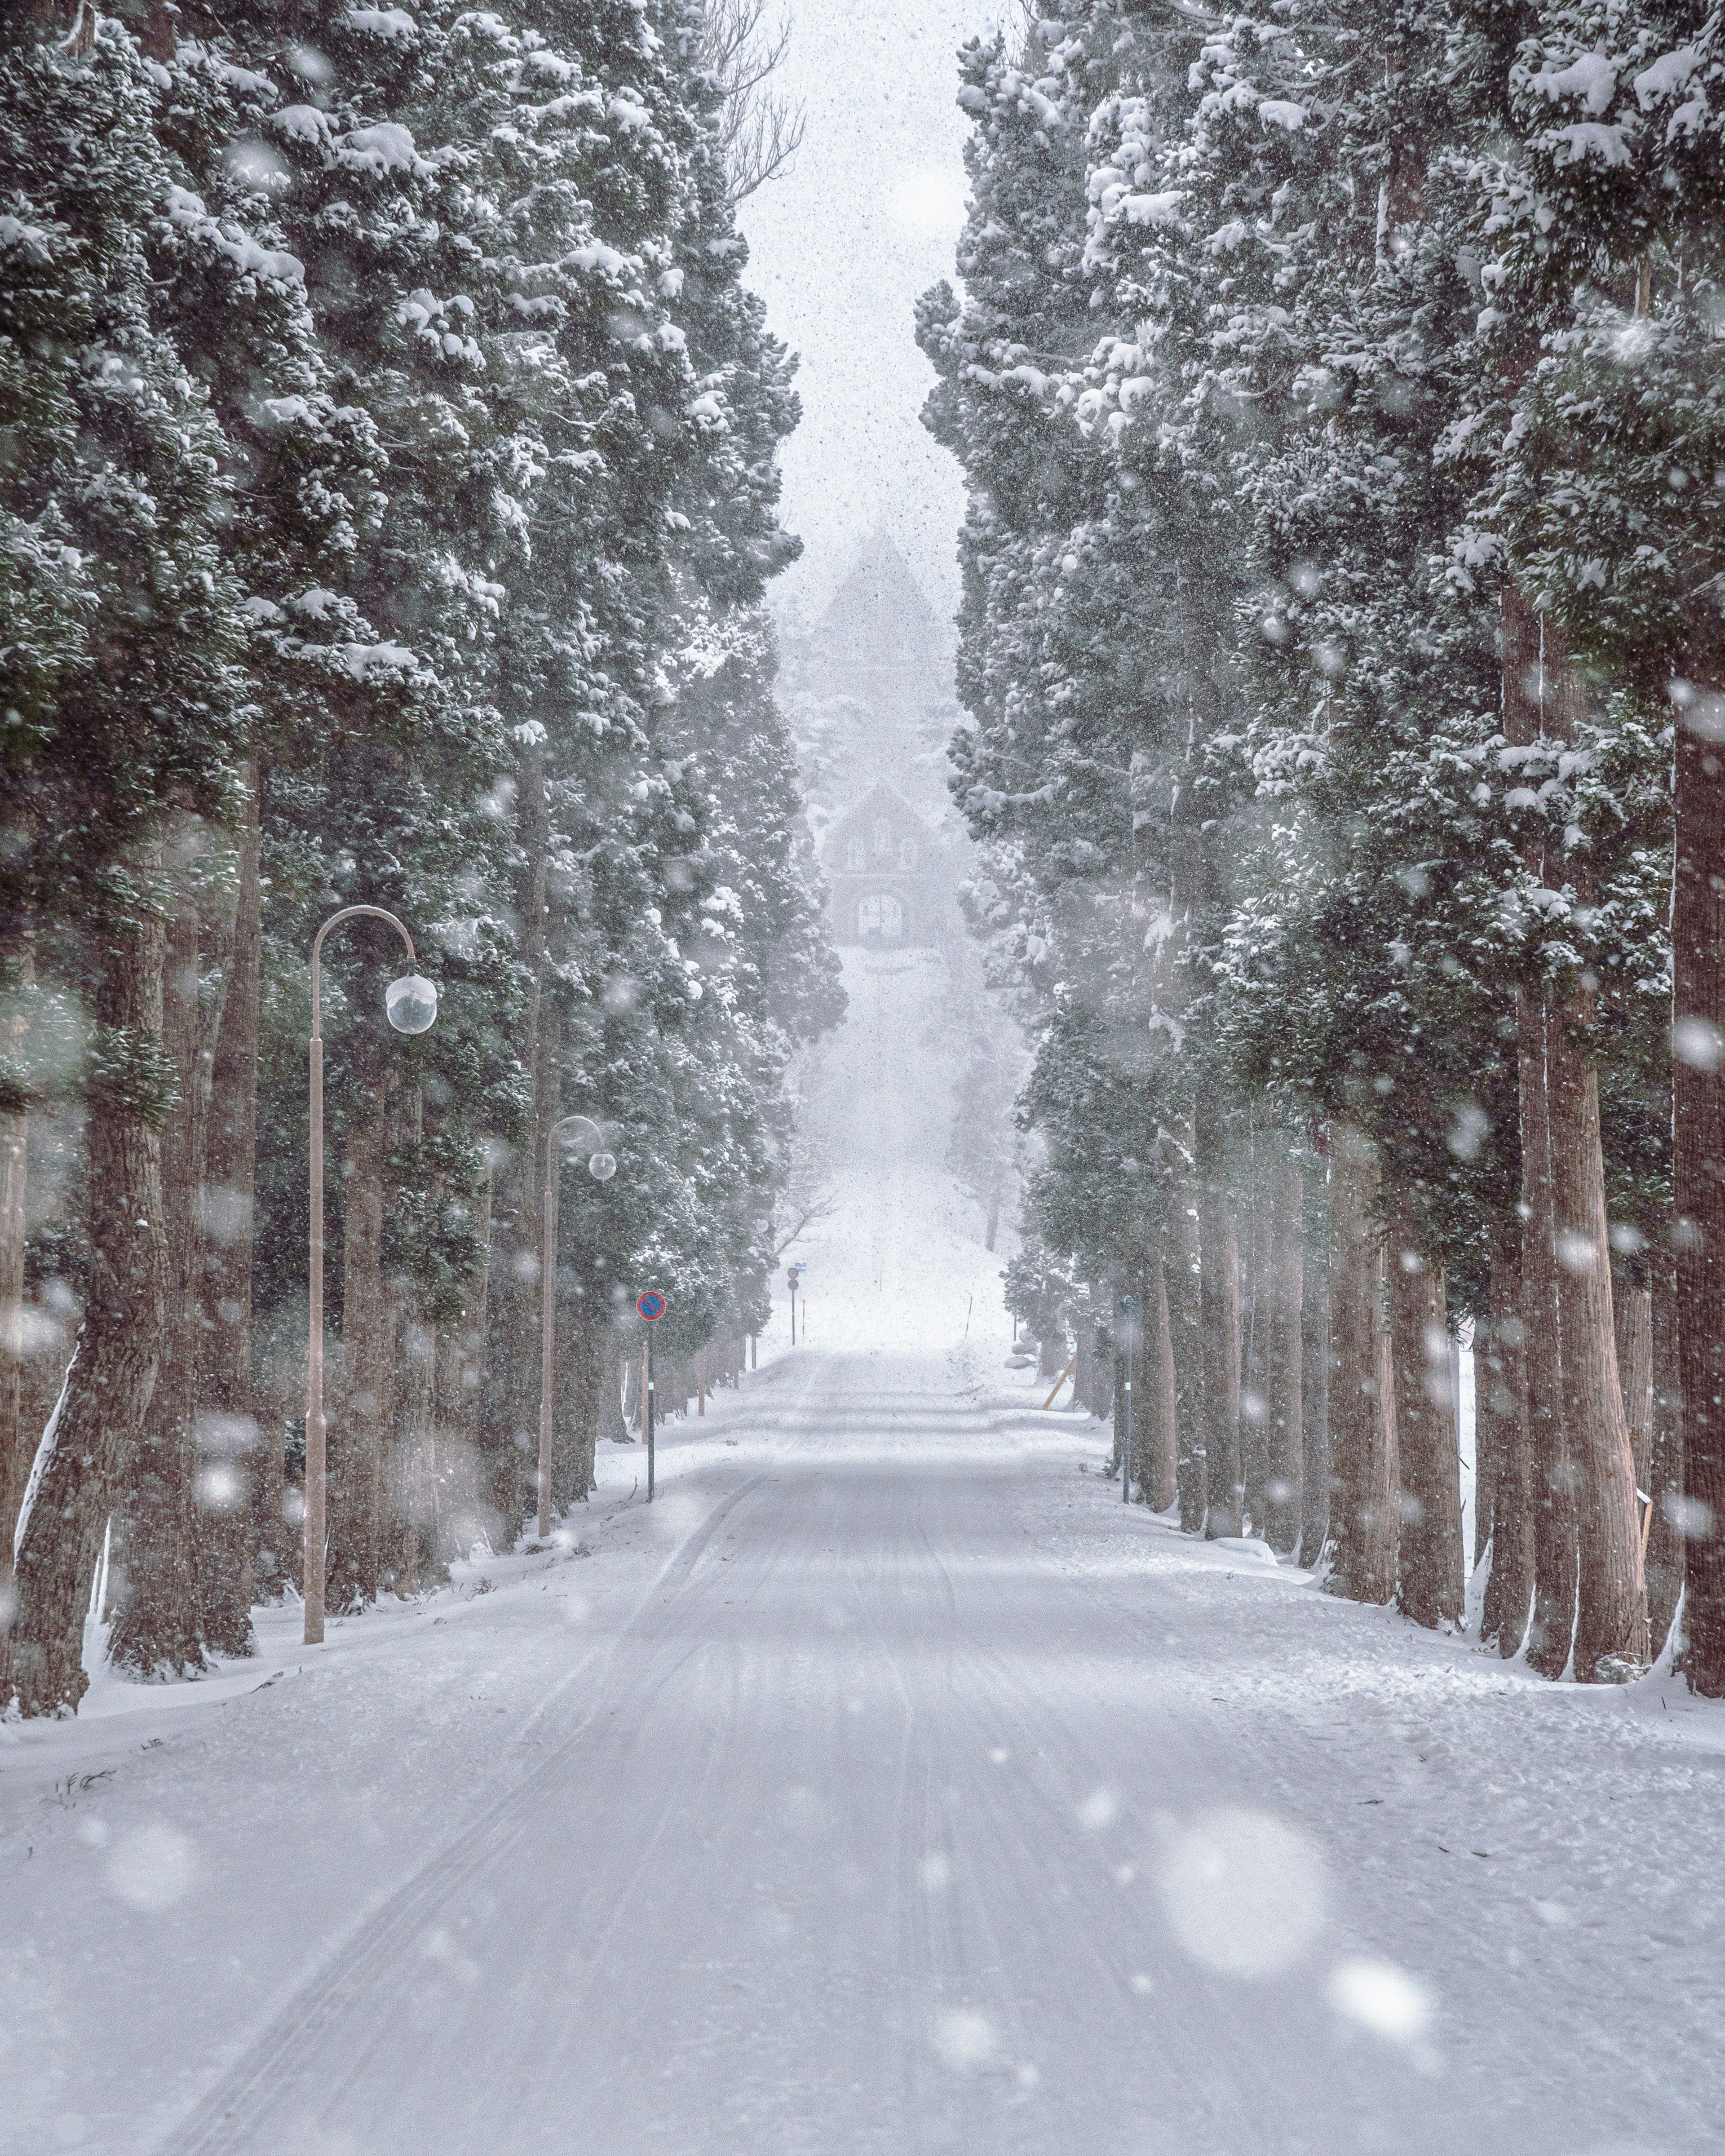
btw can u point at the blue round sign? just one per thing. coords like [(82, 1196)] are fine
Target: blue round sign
[(651, 1306)]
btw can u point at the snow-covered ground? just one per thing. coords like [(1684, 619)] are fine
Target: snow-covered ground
[(888, 1787)]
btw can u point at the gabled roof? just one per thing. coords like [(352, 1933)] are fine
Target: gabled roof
[(880, 799), (880, 613)]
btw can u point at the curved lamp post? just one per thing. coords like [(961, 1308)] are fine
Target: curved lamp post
[(410, 1005), (601, 1165)]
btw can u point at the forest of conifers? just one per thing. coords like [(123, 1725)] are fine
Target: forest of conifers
[(1340, 396), (388, 492)]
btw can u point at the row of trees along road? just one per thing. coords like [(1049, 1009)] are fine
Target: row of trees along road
[(388, 491), (1341, 401)]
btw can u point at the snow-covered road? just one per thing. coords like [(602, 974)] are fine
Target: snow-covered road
[(887, 1787), (924, 1800), (833, 1857)]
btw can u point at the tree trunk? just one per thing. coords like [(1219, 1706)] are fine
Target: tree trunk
[(1632, 1311), (1284, 1282), (1219, 1290), (1084, 1370), (1431, 1579), (234, 1375), (366, 1393), (1554, 1546), (1611, 1616), (1484, 1437), (1102, 1381), (1317, 1362), (592, 1361), (1202, 1277), (412, 1558), (566, 1379), (17, 973), (280, 1369), (1145, 1436), (1364, 1509), (105, 1394), (1698, 1119), (463, 1518), (228, 1417), (508, 1443), (158, 1629), (474, 1521), (1181, 1278), (1526, 718), (1159, 1470), (548, 1109), (455, 1512), (580, 1334), (1500, 1409), (1666, 1544), (1573, 1381), (510, 1407), (614, 1420), (1252, 1207), (412, 1447)]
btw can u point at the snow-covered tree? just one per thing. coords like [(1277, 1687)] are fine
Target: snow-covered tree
[(1249, 292), (128, 695), (404, 423)]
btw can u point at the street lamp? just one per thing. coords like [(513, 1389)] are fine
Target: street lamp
[(410, 1005), (601, 1165)]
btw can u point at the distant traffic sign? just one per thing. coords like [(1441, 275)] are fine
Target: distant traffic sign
[(651, 1306)]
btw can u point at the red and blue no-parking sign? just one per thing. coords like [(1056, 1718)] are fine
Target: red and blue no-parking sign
[(651, 1306)]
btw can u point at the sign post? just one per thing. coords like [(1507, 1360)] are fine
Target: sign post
[(1126, 1319), (793, 1281), (651, 1306)]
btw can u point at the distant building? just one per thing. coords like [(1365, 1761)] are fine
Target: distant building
[(878, 642), (869, 690), (890, 881)]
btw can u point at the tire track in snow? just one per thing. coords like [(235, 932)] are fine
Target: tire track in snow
[(229, 2119)]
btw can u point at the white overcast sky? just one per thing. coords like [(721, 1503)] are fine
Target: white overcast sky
[(840, 251)]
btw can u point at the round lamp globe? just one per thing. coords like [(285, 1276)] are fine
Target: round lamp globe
[(410, 1004), (603, 1167)]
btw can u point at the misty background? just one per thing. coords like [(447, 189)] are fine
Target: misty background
[(840, 247)]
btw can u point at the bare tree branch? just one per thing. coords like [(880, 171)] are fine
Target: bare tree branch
[(760, 129), (807, 1195)]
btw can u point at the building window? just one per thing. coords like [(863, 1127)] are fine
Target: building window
[(883, 837), (907, 853), (856, 856)]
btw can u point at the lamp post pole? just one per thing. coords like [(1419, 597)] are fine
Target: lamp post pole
[(602, 1167), (410, 1004), (651, 1306)]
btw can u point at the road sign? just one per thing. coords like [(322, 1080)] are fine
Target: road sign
[(651, 1306)]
